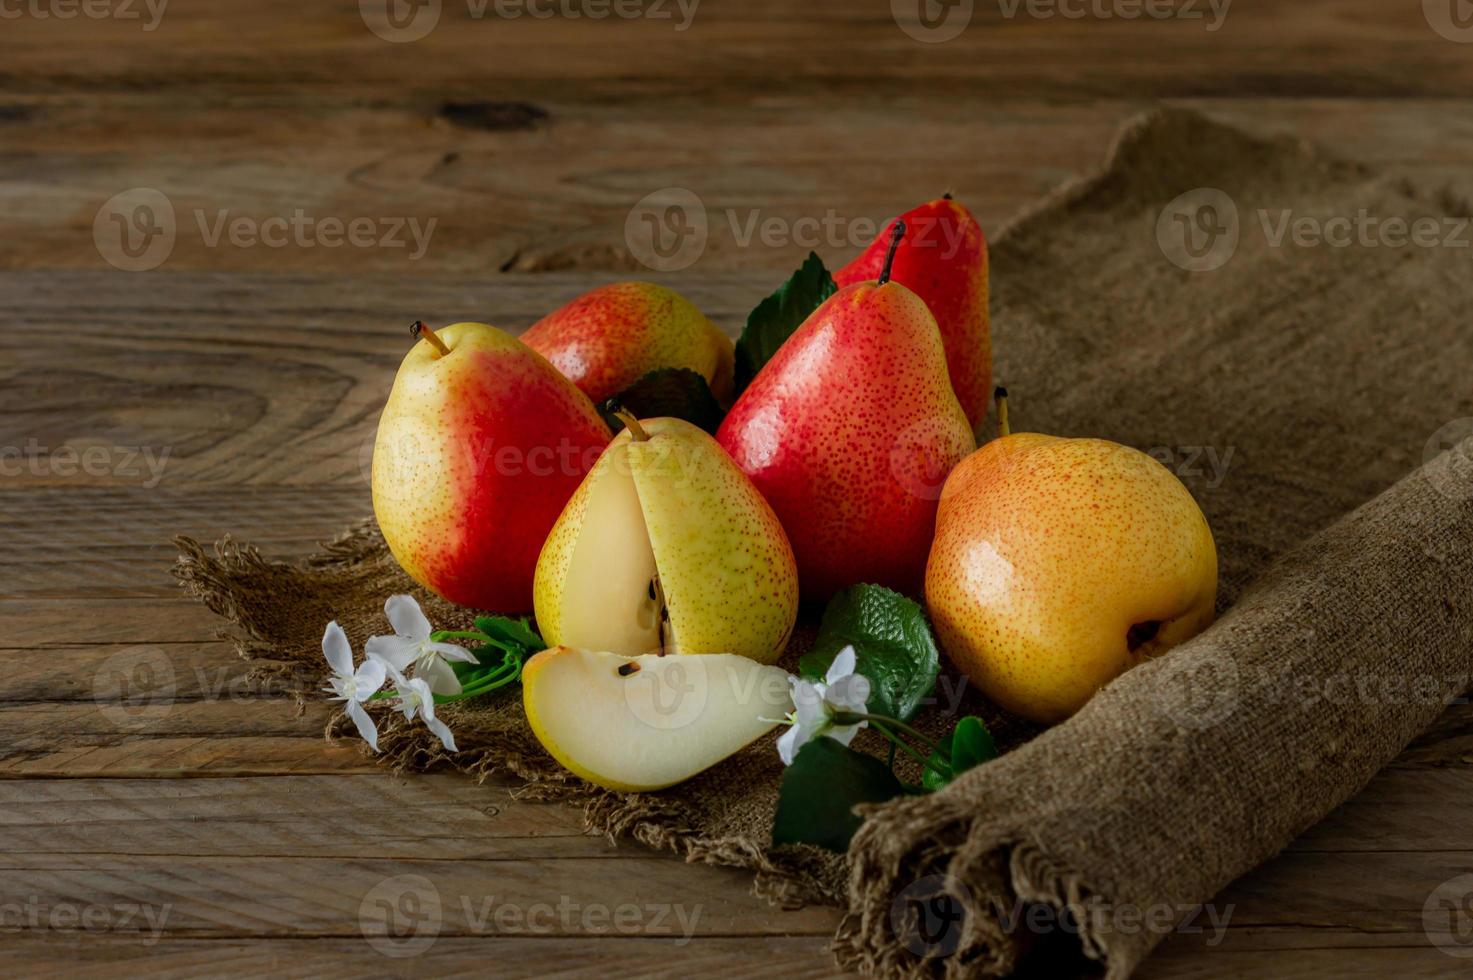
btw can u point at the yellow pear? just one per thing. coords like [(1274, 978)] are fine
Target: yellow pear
[(667, 546), (643, 723), (1060, 563)]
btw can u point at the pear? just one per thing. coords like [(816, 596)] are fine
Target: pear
[(849, 432), (481, 444), (666, 546), (643, 723), (607, 339), (1060, 563), (943, 260)]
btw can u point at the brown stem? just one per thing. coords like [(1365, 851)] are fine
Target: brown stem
[(636, 431), (1000, 396), (895, 236), (419, 331)]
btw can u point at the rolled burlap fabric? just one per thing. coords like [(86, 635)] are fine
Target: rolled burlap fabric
[(1191, 769), (1177, 301)]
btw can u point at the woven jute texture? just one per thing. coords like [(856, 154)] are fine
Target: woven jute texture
[(1196, 299)]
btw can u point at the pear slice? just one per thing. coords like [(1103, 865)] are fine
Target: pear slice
[(612, 571), (643, 723), (667, 546)]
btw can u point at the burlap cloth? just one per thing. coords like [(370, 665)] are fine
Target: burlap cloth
[(1288, 387)]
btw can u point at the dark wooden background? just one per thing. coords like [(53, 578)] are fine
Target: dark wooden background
[(139, 772)]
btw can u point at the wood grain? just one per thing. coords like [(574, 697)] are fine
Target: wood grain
[(252, 376)]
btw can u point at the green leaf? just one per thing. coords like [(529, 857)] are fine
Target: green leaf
[(969, 744), (667, 392), (499, 662), (516, 632), (777, 316), (815, 804), (893, 647)]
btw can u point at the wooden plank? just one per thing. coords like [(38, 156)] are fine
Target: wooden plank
[(102, 955), (291, 816), (336, 896)]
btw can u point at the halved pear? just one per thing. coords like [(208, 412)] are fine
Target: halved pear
[(643, 723), (667, 546)]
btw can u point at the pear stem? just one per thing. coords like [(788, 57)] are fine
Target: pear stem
[(419, 331), (1000, 396), (895, 235), (636, 431)]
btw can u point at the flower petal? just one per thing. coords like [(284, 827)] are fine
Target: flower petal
[(450, 651), (844, 734), (368, 679), (443, 731), (365, 724), (397, 652), (849, 693), (789, 743), (438, 675), (842, 666), (407, 618), (337, 650)]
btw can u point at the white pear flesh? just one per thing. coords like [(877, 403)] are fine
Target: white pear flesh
[(606, 601), (643, 723)]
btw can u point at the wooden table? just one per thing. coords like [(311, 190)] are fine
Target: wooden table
[(157, 813)]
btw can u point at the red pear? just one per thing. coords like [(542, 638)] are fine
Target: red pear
[(943, 259), (849, 432)]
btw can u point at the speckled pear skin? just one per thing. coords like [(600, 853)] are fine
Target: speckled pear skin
[(943, 259), (849, 432), (726, 567), (477, 452), (607, 339), (1047, 552)]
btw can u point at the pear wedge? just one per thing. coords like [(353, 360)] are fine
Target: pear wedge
[(666, 546), (643, 723)]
